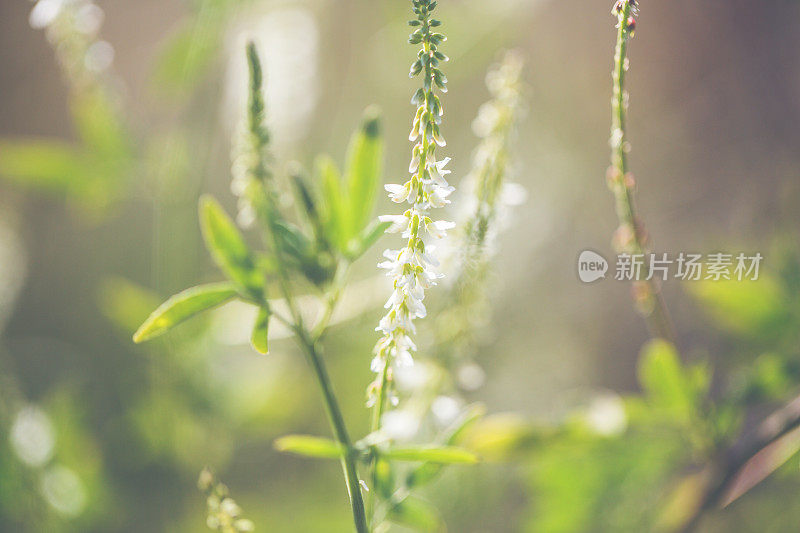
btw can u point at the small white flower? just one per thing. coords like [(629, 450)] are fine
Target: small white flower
[(438, 197), (616, 138), (398, 193), (377, 364), (416, 308), (438, 172), (414, 165), (438, 229), (428, 257), (399, 222)]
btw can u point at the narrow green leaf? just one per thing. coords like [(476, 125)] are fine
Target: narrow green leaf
[(427, 472), (668, 383), (470, 415), (762, 464), (424, 473), (364, 169), (260, 331), (182, 306), (293, 240), (309, 446), (367, 238), (304, 194), (228, 247), (442, 455), (45, 165), (417, 514), (336, 216)]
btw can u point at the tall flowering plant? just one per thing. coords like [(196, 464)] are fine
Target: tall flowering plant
[(314, 251), (413, 267)]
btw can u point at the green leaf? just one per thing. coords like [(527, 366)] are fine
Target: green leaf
[(50, 166), (470, 415), (761, 465), (669, 385), (182, 306), (432, 454), (304, 194), (427, 472), (368, 237), (336, 216), (228, 248), (364, 169), (770, 377), (292, 240), (750, 308), (417, 514), (309, 446), (260, 331)]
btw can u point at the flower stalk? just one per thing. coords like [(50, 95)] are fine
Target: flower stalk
[(495, 125), (631, 236), (413, 267), (257, 202)]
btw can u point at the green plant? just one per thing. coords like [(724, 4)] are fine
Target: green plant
[(412, 267), (316, 258), (631, 236), (689, 446), (314, 255)]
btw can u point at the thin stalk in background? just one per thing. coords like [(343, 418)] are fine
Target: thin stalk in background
[(724, 476), (490, 193), (631, 236)]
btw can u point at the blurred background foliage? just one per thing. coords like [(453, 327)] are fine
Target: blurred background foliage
[(115, 118)]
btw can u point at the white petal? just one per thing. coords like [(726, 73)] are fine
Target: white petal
[(399, 222), (377, 364), (397, 193)]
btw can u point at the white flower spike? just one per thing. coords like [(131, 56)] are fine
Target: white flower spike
[(413, 268)]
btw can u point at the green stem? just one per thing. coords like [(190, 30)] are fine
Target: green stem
[(725, 471), (308, 341), (334, 293), (336, 420), (265, 204), (621, 182)]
